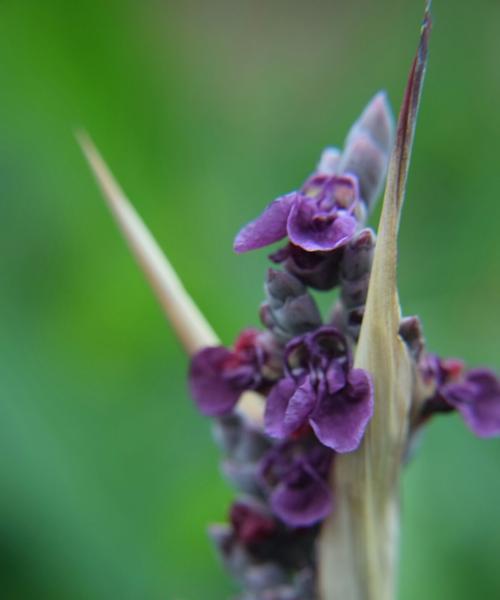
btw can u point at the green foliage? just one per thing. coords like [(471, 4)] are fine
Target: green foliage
[(205, 112)]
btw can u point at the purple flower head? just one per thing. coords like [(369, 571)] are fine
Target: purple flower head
[(324, 214), (475, 394), (321, 217), (218, 376), (320, 389), (297, 480)]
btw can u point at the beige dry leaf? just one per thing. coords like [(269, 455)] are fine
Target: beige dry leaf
[(358, 544)]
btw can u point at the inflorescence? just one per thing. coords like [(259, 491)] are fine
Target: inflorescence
[(317, 404)]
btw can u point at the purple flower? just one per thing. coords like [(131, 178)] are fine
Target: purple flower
[(475, 394), (218, 376), (477, 399), (321, 389), (297, 479), (321, 217)]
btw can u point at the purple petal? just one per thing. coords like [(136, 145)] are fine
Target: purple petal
[(478, 401), (275, 463), (335, 377), (276, 407), (268, 228), (213, 394), (302, 498), (314, 231), (299, 407), (340, 419)]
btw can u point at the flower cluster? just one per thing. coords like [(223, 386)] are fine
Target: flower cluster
[(474, 393), (321, 390), (323, 216), (316, 404)]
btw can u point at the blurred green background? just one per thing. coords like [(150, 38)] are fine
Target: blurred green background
[(206, 111)]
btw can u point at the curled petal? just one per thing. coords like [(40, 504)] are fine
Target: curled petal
[(268, 228), (276, 407), (340, 419), (300, 406), (302, 498), (478, 401), (213, 393), (314, 231), (335, 377)]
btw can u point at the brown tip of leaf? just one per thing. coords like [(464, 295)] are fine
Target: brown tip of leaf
[(409, 109)]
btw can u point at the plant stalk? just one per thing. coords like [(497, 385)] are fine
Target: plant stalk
[(358, 549)]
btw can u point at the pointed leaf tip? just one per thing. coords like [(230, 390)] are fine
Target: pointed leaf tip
[(190, 325)]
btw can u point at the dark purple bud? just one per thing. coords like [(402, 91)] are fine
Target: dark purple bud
[(290, 309), (410, 329), (358, 256), (319, 270), (243, 476), (242, 442), (354, 293), (355, 270), (227, 432), (251, 523), (348, 320)]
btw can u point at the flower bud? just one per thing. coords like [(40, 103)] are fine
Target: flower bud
[(329, 162), (367, 148), (410, 329), (290, 310)]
